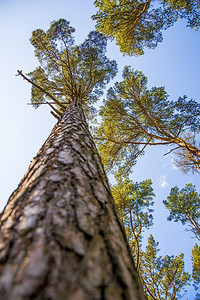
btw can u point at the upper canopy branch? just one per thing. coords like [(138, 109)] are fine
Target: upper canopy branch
[(134, 117)]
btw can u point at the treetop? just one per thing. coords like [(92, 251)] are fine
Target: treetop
[(67, 72)]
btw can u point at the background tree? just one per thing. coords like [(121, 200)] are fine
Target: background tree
[(60, 234), (184, 206), (162, 277), (138, 24), (134, 202), (134, 117), (196, 267)]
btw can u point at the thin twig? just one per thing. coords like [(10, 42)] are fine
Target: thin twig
[(171, 150)]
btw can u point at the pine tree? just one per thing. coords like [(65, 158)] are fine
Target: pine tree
[(184, 206), (61, 237), (161, 277), (134, 202), (134, 117), (138, 24), (196, 268)]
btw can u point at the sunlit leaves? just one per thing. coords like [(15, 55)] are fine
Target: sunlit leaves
[(186, 9), (162, 277), (135, 198), (137, 24), (184, 206), (67, 71), (196, 266), (132, 23), (134, 117), (134, 202), (50, 44)]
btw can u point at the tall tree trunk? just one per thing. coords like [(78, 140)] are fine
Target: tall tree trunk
[(60, 235)]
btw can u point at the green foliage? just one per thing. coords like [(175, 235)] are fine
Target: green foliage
[(68, 72), (134, 117), (136, 198), (162, 277), (184, 206), (137, 24), (186, 9), (134, 202), (196, 266)]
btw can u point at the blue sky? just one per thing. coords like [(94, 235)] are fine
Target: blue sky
[(175, 64)]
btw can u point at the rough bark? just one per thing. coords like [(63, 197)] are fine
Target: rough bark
[(61, 238)]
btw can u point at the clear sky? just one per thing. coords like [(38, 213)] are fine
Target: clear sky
[(175, 64)]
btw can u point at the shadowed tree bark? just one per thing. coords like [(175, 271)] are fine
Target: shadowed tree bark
[(60, 235)]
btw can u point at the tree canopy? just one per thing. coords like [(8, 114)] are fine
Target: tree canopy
[(161, 277), (134, 117), (137, 24), (196, 267), (135, 205), (69, 72), (184, 206)]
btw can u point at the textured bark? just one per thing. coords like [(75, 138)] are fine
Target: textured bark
[(60, 235)]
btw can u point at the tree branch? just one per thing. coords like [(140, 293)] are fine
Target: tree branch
[(63, 107), (56, 110), (55, 115)]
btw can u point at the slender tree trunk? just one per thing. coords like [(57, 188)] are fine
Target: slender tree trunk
[(60, 235)]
